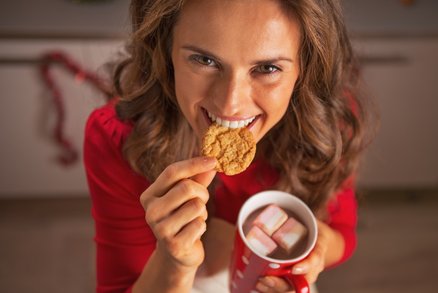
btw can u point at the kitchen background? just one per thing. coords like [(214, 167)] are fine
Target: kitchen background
[(45, 224)]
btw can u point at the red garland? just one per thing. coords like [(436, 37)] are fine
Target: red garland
[(69, 153)]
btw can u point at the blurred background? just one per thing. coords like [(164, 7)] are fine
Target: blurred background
[(51, 52)]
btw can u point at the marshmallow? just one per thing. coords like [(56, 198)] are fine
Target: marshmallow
[(289, 234), (270, 219), (260, 242)]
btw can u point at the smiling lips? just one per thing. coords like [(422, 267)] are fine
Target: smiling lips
[(228, 123)]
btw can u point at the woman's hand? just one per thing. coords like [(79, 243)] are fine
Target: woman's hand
[(175, 206), (310, 267)]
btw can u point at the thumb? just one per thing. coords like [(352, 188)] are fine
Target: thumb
[(205, 178)]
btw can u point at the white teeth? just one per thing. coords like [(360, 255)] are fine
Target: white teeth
[(230, 124), (234, 124)]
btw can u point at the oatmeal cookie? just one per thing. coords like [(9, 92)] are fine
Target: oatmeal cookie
[(234, 149)]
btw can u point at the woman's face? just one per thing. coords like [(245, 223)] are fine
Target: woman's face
[(235, 62)]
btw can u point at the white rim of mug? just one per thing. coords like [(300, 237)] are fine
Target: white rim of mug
[(300, 202)]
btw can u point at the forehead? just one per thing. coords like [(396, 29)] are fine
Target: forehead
[(238, 26)]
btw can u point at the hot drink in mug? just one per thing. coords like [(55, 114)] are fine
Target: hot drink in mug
[(263, 244)]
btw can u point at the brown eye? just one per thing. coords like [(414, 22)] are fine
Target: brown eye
[(267, 69), (203, 60)]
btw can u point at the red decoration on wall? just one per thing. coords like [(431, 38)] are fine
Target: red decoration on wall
[(69, 154)]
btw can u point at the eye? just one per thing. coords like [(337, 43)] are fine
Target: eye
[(204, 60), (267, 69)]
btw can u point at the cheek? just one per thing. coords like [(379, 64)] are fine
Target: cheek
[(185, 91), (190, 87), (275, 99)]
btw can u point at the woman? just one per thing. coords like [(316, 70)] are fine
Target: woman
[(284, 66)]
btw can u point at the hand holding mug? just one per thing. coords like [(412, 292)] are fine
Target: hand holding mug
[(248, 265), (310, 267)]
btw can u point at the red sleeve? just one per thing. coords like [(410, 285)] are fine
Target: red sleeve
[(343, 218), (124, 242)]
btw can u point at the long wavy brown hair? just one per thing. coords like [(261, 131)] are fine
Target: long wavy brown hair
[(317, 144)]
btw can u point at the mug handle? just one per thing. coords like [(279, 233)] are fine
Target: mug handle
[(298, 282)]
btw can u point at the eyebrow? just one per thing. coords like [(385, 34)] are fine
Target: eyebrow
[(209, 54)]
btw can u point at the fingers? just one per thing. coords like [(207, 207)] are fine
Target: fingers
[(192, 231), (175, 206), (175, 173), (182, 170), (183, 192), (180, 218), (273, 284), (205, 178), (186, 247), (312, 266)]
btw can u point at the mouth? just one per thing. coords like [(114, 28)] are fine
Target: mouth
[(235, 123)]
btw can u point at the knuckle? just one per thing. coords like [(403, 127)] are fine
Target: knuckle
[(170, 172), (204, 214), (162, 232), (173, 246), (186, 186), (197, 205), (159, 230), (145, 199), (149, 220), (151, 214), (204, 195), (199, 223)]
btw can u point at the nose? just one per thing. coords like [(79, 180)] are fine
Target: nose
[(231, 91)]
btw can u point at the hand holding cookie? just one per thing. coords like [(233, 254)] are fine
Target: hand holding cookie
[(175, 210), (233, 148)]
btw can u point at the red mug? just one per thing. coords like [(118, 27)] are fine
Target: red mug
[(247, 266)]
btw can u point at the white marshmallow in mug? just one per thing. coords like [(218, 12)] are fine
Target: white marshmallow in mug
[(270, 219), (260, 242), (290, 234)]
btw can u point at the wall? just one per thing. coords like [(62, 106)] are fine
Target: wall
[(28, 154), (91, 34), (65, 17), (402, 76), (111, 16), (377, 17)]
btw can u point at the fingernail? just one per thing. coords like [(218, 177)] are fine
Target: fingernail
[(298, 270), (210, 161)]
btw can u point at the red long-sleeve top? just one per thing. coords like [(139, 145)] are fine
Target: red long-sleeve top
[(124, 240)]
